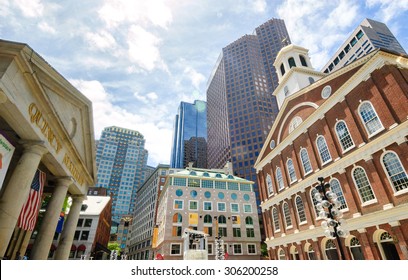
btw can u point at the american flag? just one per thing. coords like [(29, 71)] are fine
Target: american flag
[(29, 212)]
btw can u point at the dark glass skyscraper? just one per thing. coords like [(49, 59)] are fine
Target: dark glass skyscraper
[(121, 167), (241, 107), (190, 135)]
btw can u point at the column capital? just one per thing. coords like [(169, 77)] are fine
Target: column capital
[(64, 181), (78, 197), (36, 147)]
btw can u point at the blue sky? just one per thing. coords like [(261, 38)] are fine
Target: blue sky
[(136, 60)]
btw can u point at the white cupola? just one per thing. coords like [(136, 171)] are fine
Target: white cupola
[(294, 71)]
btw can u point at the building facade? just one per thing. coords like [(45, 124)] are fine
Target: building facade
[(121, 163), (46, 127), (367, 37), (211, 201), (241, 107), (144, 217), (350, 128), (190, 135)]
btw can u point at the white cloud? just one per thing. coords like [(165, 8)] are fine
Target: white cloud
[(389, 8), (143, 48), (116, 12), (147, 98), (102, 40), (152, 122), (30, 8), (259, 6), (44, 26), (195, 77)]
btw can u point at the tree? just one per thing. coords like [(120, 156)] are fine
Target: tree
[(114, 246)]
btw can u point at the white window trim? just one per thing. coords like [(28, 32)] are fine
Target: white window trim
[(364, 124), (396, 193), (212, 250), (248, 249), (171, 245), (273, 220), (225, 204), (303, 164), (270, 192), (338, 137), (174, 204), (318, 151), (297, 210), (247, 204), (294, 169), (233, 249), (211, 206), (277, 180), (372, 201), (193, 209), (231, 207)]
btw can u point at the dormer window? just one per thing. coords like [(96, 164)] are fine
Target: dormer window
[(302, 60), (292, 63), (282, 68)]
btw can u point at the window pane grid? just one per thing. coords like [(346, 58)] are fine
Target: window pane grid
[(269, 184), (291, 170), (370, 118), (305, 161), (286, 212), (323, 149), (395, 171), (279, 178), (363, 185), (220, 185), (336, 188), (207, 184), (344, 136), (301, 209), (275, 219)]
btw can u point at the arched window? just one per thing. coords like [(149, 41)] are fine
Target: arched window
[(310, 252), (304, 157), (370, 118), (291, 61), (363, 185), (388, 249), (323, 149), (177, 218), (395, 171), (286, 213), (279, 178), (269, 184), (249, 221), (291, 170), (313, 192), (355, 249), (300, 209), (207, 219), (281, 254), (282, 69), (331, 251), (222, 219), (302, 60), (275, 217), (296, 121), (344, 136), (336, 188)]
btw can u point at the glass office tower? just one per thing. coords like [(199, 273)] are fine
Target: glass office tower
[(121, 163), (241, 108), (190, 136)]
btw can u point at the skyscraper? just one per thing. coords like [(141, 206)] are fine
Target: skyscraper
[(190, 135), (121, 167), (241, 108), (368, 36)]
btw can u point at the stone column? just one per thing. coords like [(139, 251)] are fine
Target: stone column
[(48, 226), (17, 191), (67, 235)]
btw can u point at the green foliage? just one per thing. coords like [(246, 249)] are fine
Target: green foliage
[(114, 246), (264, 250)]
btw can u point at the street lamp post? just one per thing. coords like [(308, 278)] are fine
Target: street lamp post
[(329, 209)]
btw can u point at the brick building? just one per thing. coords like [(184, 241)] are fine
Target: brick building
[(349, 127)]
